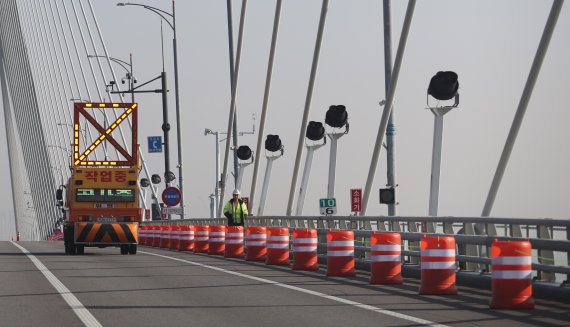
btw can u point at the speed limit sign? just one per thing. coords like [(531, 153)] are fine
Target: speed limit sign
[(327, 206)]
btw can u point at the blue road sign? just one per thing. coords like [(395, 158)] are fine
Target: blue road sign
[(154, 144), (171, 196)]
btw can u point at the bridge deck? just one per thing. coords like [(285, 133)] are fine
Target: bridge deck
[(168, 288)]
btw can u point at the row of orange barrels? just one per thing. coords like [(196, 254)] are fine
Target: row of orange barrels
[(511, 261)]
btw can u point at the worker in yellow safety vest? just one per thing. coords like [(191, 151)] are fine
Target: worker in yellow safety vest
[(235, 210)]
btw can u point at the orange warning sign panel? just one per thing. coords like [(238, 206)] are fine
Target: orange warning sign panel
[(98, 233)]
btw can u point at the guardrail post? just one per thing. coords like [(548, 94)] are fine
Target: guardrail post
[(545, 256), (413, 246), (568, 253)]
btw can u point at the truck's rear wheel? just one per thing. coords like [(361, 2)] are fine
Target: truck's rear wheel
[(80, 249), (133, 249), (124, 249)]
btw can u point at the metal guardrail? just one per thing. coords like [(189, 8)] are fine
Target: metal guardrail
[(472, 249)]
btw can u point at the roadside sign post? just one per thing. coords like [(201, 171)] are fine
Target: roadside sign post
[(327, 206)]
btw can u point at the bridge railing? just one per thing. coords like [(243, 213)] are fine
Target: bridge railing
[(550, 238)]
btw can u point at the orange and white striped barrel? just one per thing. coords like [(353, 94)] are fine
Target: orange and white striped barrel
[(305, 249), (201, 243), (156, 235), (149, 232), (186, 236), (340, 253), (256, 243), (277, 246), (217, 239), (165, 236), (234, 242), (438, 265), (142, 234), (386, 257), (512, 275), (174, 238)]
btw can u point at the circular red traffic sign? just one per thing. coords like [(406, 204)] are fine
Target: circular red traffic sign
[(171, 196)]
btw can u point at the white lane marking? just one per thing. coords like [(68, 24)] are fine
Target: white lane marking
[(319, 294), (83, 314)]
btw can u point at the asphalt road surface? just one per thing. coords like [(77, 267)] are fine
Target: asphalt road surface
[(167, 288)]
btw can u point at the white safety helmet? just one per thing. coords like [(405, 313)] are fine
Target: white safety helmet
[(236, 192)]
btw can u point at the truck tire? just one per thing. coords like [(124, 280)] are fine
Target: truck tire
[(68, 239), (124, 249), (133, 249), (80, 249)]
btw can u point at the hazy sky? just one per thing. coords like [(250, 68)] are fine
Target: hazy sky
[(490, 44)]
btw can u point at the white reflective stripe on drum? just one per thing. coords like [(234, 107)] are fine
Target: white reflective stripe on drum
[(278, 246), (174, 237), (234, 241), (438, 265), (386, 247), (256, 243), (278, 238), (386, 258), (347, 253), (186, 238), (201, 239), (512, 274), (256, 237), (305, 240), (217, 233), (305, 248), (438, 253), (340, 243), (217, 240), (186, 233), (512, 261), (234, 234)]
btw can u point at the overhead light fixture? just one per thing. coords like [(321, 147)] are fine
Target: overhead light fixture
[(273, 143), (144, 182), (443, 85), (336, 116), (315, 131), (155, 179), (169, 176), (244, 152)]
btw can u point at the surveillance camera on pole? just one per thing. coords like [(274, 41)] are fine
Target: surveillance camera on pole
[(244, 154), (443, 86), (337, 118), (315, 135), (273, 150)]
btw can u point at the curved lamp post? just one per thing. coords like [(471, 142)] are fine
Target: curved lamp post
[(443, 86), (315, 133), (244, 154), (336, 118), (164, 15), (273, 150)]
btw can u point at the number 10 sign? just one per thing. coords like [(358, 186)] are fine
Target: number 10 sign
[(328, 206)]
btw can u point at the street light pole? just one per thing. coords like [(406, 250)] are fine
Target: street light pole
[(172, 25), (166, 130)]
